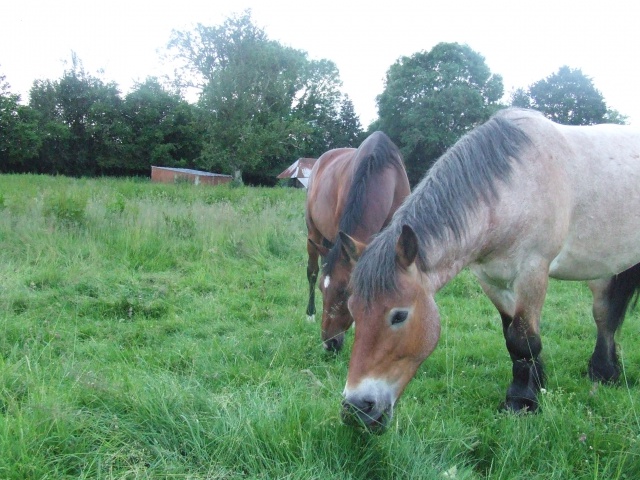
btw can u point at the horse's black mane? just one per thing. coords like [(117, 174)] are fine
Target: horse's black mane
[(375, 159), (440, 206)]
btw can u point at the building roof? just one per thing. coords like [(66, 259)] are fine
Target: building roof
[(193, 172), (301, 168)]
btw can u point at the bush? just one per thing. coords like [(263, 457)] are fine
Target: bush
[(117, 204), (66, 207)]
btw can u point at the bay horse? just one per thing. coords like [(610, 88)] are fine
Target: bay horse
[(519, 199), (355, 191)]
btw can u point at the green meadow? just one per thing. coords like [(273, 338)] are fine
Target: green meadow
[(159, 331)]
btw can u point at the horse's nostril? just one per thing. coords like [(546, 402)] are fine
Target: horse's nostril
[(361, 407), (367, 406)]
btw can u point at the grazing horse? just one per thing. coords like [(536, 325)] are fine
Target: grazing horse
[(518, 200), (356, 192)]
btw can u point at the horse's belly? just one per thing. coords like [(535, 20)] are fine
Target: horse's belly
[(588, 262)]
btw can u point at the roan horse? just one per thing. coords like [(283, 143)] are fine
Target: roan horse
[(519, 199), (357, 192)]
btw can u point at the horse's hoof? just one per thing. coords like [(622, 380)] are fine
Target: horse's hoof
[(520, 405), (604, 373), (311, 318)]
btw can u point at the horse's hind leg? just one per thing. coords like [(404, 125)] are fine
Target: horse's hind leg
[(611, 298)]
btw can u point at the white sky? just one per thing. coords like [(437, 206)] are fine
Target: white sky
[(522, 41)]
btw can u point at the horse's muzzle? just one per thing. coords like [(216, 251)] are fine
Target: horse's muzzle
[(366, 414), (334, 344)]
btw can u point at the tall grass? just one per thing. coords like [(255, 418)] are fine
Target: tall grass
[(157, 331)]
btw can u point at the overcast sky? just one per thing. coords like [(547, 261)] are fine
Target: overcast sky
[(522, 41)]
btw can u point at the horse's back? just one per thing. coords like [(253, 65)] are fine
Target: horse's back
[(605, 173), (328, 186), (590, 178), (326, 165)]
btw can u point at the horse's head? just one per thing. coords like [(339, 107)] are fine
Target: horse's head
[(334, 285), (395, 332)]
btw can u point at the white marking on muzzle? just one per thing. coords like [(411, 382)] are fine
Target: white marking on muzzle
[(327, 281), (375, 390)]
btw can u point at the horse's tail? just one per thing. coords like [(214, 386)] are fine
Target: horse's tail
[(623, 291)]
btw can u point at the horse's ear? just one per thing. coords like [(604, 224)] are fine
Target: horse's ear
[(407, 247), (351, 248), (322, 250)]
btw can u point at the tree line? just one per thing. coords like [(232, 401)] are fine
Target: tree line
[(261, 105)]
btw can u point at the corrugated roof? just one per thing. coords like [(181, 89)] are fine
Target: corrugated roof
[(193, 172), (301, 168)]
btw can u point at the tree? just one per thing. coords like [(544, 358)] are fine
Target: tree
[(55, 134), (163, 129), (337, 126), (350, 132), (520, 98), (432, 98), (263, 103), (19, 139), (567, 97), (80, 122)]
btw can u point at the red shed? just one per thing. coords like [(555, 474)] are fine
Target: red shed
[(173, 175)]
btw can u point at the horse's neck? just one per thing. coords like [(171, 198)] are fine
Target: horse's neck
[(447, 257), (447, 266)]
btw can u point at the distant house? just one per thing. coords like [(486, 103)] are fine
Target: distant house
[(176, 175), (299, 172)]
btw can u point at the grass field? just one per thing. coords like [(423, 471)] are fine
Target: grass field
[(158, 331)]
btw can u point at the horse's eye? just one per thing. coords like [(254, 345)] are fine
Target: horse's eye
[(399, 316)]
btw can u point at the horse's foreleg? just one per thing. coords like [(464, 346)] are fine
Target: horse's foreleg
[(611, 298), (524, 345), (519, 309), (522, 336), (312, 277)]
